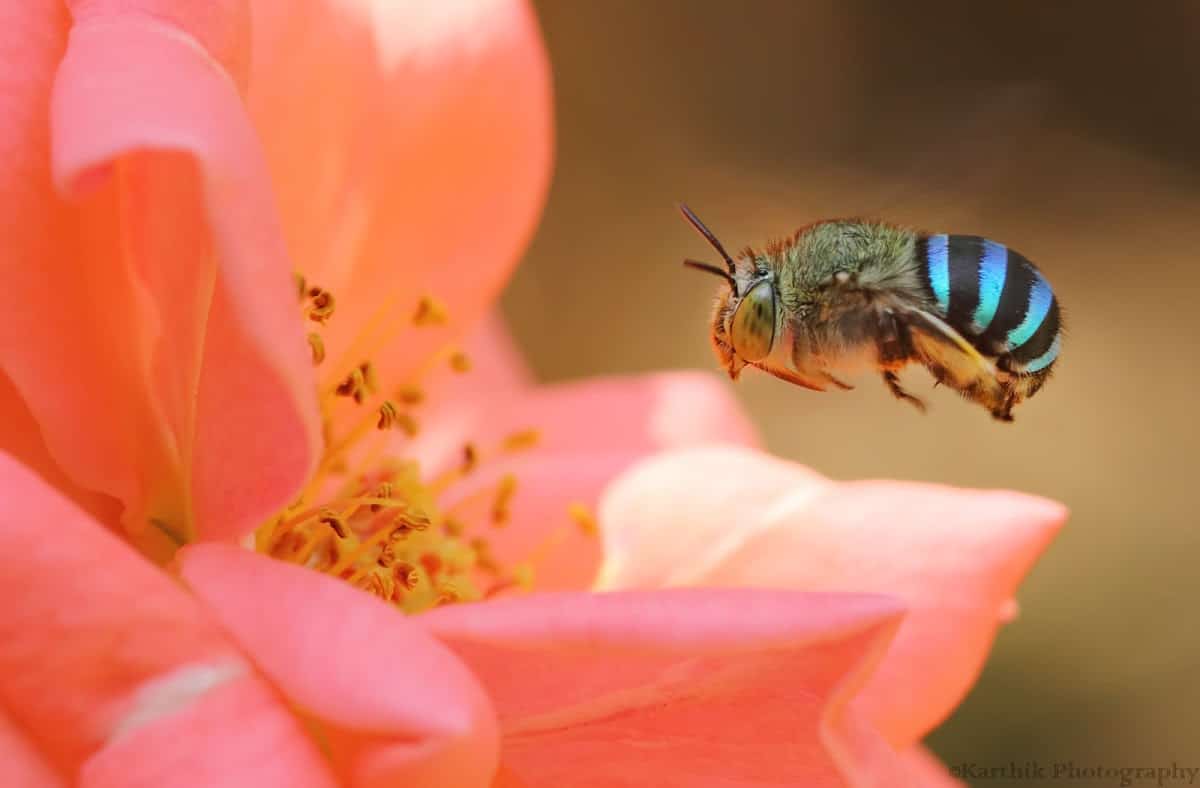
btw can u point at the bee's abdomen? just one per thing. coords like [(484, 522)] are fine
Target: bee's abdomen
[(993, 296)]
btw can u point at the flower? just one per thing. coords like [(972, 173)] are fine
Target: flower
[(952, 557), (168, 167)]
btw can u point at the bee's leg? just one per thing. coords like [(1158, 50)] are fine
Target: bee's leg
[(839, 383), (893, 384)]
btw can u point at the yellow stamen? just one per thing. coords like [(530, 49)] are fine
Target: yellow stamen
[(372, 519), (583, 518), (430, 312), (410, 395), (504, 495), (521, 440)]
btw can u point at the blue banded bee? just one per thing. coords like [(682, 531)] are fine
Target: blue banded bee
[(842, 294)]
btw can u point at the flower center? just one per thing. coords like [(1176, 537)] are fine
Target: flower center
[(368, 516)]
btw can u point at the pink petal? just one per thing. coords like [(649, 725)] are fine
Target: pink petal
[(540, 532), (22, 440), (677, 688), (634, 413), (395, 706), (99, 649), (455, 401), (236, 735), (163, 282), (590, 432), (411, 147), (955, 557), (20, 762), (670, 519)]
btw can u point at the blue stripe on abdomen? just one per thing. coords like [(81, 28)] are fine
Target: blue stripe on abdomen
[(1047, 358), (937, 260), (993, 268), (1040, 297)]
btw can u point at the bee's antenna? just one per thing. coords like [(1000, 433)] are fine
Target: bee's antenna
[(712, 269), (694, 220)]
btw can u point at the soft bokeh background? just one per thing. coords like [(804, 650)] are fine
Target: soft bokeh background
[(1068, 130)]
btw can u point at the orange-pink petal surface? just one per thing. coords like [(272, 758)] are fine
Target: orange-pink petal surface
[(20, 762), (589, 432), (410, 144), (102, 653), (153, 323), (686, 687), (391, 704), (955, 557)]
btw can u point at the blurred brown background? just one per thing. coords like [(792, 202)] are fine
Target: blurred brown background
[(1067, 130)]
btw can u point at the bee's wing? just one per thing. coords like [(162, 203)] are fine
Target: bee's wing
[(951, 358)]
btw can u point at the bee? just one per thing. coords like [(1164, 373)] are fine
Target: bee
[(841, 295)]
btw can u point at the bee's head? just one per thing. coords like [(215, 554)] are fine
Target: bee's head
[(744, 318)]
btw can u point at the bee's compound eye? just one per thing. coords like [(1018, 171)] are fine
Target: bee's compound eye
[(752, 329)]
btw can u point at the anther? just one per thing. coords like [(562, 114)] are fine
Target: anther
[(322, 305), (470, 458), (406, 576), (331, 518), (453, 528), (460, 362), (353, 386), (387, 415), (447, 594), (410, 395), (384, 490), (430, 312), (583, 518), (317, 345), (504, 495), (483, 556), (518, 441), (370, 381), (374, 583)]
